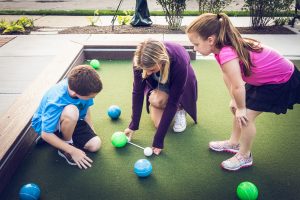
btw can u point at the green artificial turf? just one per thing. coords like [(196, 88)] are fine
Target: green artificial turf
[(186, 169)]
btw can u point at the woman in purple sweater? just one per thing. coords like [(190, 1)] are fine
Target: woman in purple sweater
[(163, 73)]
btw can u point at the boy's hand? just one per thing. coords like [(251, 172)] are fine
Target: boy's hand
[(81, 159), (128, 132), (156, 151)]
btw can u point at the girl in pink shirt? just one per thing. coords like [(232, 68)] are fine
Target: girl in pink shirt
[(258, 79)]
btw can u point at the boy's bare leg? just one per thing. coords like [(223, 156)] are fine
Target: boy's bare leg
[(68, 121)]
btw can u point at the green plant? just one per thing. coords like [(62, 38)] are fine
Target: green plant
[(263, 11), (212, 6), (124, 19), (25, 22), (3, 25), (14, 28), (173, 10), (94, 19), (280, 21)]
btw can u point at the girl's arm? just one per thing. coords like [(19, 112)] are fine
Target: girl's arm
[(228, 84), (232, 73)]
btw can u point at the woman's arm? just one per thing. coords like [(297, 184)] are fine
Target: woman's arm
[(137, 99)]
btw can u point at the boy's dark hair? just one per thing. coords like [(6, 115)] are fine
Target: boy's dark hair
[(84, 80)]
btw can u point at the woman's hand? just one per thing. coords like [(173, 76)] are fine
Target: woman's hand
[(156, 151), (128, 132), (241, 116), (232, 106)]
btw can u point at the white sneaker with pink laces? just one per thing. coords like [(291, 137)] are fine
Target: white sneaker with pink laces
[(223, 146), (237, 162)]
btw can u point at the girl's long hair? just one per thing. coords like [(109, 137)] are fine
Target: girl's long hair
[(209, 24), (150, 53)]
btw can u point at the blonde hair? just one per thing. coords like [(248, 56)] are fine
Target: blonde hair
[(209, 24), (150, 53)]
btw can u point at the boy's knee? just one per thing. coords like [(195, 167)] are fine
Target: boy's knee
[(93, 144), (71, 113)]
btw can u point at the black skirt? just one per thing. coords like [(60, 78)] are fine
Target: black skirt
[(276, 98)]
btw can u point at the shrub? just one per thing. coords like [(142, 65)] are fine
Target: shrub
[(22, 25), (25, 22), (94, 19), (212, 6), (263, 11), (3, 25), (280, 21), (173, 10), (14, 28), (124, 19)]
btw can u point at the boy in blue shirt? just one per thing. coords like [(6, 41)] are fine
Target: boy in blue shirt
[(63, 119)]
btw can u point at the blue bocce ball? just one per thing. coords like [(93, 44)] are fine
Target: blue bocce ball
[(30, 191), (114, 112), (143, 168)]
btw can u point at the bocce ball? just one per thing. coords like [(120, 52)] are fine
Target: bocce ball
[(114, 112), (119, 139), (142, 168), (95, 63), (247, 191), (148, 151), (30, 191)]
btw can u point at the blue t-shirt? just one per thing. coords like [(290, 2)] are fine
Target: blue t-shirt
[(47, 116)]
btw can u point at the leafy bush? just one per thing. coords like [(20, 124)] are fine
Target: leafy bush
[(25, 22), (263, 11), (14, 28), (173, 10), (22, 25), (124, 19), (212, 6), (280, 21), (94, 19), (3, 25)]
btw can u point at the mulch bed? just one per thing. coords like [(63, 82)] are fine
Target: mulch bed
[(4, 40), (163, 29)]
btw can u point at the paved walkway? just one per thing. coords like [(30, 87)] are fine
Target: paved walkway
[(23, 58), (95, 4)]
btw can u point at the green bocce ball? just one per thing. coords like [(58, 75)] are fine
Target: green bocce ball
[(247, 191), (119, 139), (95, 63)]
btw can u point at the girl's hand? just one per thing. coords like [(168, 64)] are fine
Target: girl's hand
[(232, 106), (241, 117), (128, 132), (156, 151)]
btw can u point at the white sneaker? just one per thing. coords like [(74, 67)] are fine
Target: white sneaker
[(180, 121)]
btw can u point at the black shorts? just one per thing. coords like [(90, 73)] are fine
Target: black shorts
[(276, 98), (82, 134)]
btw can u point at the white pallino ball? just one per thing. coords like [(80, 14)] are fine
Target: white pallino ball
[(148, 151)]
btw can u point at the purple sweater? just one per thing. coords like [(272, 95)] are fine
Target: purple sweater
[(183, 90)]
